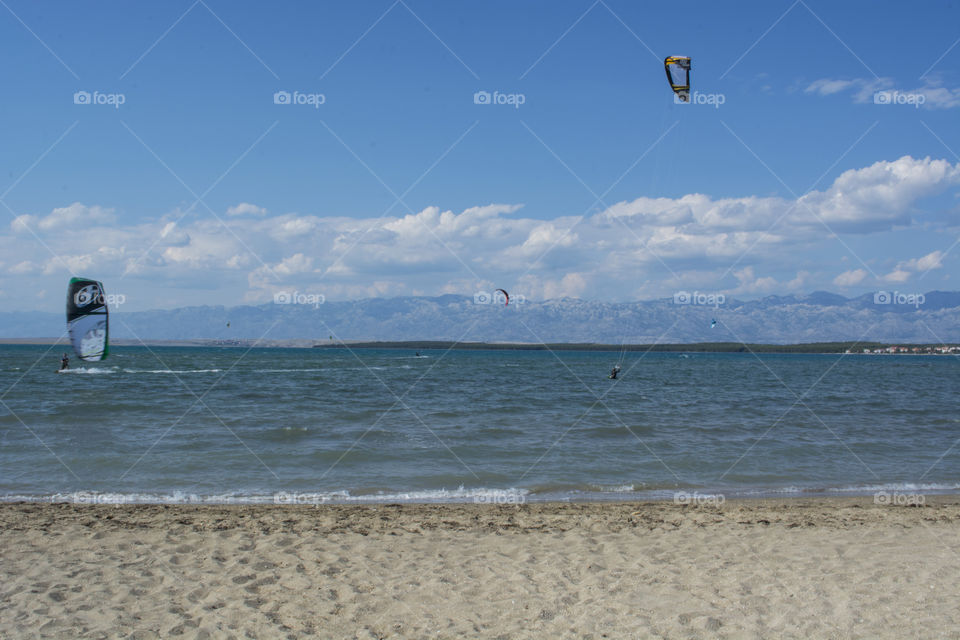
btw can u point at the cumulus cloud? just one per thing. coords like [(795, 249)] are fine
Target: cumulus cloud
[(881, 195), (24, 267), (246, 209), (850, 278), (71, 216), (906, 269), (748, 245), (926, 263)]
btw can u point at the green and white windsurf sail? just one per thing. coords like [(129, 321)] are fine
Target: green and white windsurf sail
[(87, 319)]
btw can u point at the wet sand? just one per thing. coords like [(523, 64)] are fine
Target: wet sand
[(825, 568)]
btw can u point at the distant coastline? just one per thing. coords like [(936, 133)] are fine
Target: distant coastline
[(872, 348), (848, 347)]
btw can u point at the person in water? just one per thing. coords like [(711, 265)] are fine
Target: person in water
[(614, 372), (64, 363)]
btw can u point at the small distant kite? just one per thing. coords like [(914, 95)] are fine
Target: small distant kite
[(713, 323), (678, 74), (506, 296)]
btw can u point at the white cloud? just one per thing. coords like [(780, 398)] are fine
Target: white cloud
[(24, 267), (246, 209), (72, 216), (926, 263), (850, 278), (906, 269), (884, 91), (570, 285), (644, 246), (827, 86), (897, 276), (749, 283), (297, 263), (881, 195)]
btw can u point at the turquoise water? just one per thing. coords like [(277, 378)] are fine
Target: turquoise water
[(318, 425)]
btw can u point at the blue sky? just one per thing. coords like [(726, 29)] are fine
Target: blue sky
[(200, 189)]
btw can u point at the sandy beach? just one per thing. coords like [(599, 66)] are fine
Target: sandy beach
[(825, 568)]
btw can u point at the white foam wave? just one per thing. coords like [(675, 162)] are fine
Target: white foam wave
[(623, 488), (172, 371), (90, 370), (897, 486), (461, 494), (286, 370)]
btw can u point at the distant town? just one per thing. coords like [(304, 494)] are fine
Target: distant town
[(911, 349)]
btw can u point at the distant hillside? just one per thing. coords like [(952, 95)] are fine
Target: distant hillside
[(818, 317)]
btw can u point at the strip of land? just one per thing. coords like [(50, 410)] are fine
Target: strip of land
[(822, 568), (854, 347)]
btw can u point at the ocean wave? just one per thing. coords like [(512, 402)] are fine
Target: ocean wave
[(591, 493), (285, 370), (173, 371), (461, 494), (622, 488)]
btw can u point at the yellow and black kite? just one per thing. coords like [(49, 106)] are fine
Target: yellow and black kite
[(678, 74)]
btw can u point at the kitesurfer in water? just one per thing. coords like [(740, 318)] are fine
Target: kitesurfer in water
[(614, 372), (64, 363)]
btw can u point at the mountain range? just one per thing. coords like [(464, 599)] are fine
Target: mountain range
[(933, 317)]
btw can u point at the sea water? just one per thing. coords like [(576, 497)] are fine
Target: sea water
[(308, 426)]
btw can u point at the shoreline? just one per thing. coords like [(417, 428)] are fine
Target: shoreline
[(890, 494), (755, 568), (789, 510)]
